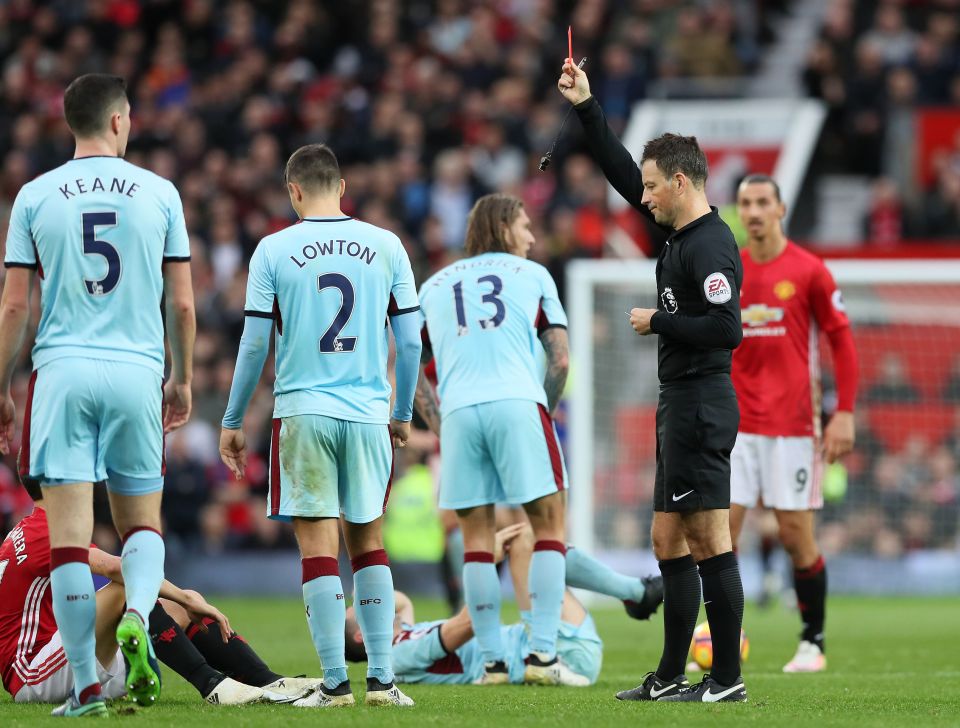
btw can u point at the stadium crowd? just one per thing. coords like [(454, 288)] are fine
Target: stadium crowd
[(874, 64), (429, 104)]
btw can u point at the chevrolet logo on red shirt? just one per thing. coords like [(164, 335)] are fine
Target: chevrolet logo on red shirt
[(760, 314)]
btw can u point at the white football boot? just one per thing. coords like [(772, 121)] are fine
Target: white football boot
[(571, 679), (294, 687), (230, 692), (386, 694), (809, 658), (338, 697)]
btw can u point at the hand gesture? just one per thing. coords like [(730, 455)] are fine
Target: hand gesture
[(199, 609), (399, 433), (640, 320), (8, 417), (838, 436), (233, 451), (573, 83), (177, 403), (502, 539)]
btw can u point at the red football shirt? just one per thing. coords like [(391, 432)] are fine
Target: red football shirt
[(785, 303), (26, 603)]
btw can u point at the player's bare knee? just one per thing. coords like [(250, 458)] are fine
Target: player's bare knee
[(668, 545), (547, 517), (177, 613), (796, 535), (319, 536), (362, 538)]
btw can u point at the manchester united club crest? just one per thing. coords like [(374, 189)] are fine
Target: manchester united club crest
[(669, 300), (784, 290)]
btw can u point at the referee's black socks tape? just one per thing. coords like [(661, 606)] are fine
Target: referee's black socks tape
[(681, 604), (723, 599)]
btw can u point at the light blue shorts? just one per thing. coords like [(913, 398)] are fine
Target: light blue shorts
[(91, 419), (499, 452), (323, 467)]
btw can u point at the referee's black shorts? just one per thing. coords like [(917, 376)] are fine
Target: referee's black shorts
[(697, 424)]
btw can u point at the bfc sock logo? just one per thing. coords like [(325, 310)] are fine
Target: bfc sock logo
[(481, 607), (365, 602), (77, 597)]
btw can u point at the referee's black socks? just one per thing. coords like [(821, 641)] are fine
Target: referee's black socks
[(681, 604), (723, 599)]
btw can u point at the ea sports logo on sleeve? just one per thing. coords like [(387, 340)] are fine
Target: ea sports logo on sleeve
[(717, 288)]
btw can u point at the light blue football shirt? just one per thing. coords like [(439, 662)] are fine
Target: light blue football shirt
[(331, 284), (97, 230), (483, 317), (419, 657)]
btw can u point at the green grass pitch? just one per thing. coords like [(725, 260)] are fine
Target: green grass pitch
[(893, 662)]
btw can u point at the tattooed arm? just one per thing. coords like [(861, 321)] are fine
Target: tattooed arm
[(425, 400), (426, 403), (556, 346)]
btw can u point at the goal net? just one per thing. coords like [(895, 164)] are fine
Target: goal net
[(894, 496)]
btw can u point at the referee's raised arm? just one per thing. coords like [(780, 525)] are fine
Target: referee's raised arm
[(605, 148)]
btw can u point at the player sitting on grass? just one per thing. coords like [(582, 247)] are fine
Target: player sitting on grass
[(218, 663), (446, 651)]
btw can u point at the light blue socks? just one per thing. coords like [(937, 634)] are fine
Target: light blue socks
[(481, 592), (585, 572), (75, 609), (547, 585), (326, 615), (374, 602), (141, 562)]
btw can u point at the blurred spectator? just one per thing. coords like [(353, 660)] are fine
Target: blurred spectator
[(884, 222), (890, 35), (893, 384), (875, 65), (951, 388)]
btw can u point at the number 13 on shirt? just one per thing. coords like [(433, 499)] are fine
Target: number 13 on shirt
[(492, 297)]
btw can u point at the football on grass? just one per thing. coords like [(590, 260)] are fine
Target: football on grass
[(701, 646)]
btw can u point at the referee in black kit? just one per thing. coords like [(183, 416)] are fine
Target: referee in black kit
[(699, 275)]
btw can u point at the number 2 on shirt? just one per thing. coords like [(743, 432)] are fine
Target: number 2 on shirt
[(331, 342), (491, 297)]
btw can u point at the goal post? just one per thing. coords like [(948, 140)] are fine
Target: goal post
[(886, 501)]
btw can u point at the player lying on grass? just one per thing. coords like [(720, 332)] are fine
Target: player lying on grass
[(217, 662), (446, 651)]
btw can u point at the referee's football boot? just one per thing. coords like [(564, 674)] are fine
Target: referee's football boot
[(709, 690), (324, 697), (494, 673), (143, 670), (652, 599), (653, 688), (73, 708), (379, 693)]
